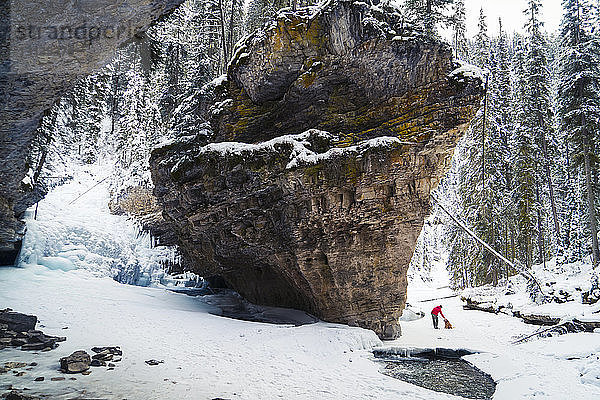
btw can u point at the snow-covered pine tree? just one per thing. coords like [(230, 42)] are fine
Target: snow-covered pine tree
[(459, 27), (87, 115), (465, 260), (502, 124), (537, 115), (579, 102), (497, 207), (482, 42), (523, 163), (428, 14)]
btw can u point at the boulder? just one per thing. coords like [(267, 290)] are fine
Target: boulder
[(18, 342), (77, 362), (98, 363), (344, 119), (18, 322)]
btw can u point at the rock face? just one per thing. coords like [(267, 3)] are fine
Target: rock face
[(45, 47), (321, 221)]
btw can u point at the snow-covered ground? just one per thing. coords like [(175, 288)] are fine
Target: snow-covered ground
[(567, 283), (561, 367), (207, 356)]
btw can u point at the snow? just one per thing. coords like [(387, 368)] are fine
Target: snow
[(206, 355), (75, 230), (172, 141), (61, 263), (563, 281)]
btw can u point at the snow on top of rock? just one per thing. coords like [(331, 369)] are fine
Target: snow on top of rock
[(172, 141), (468, 70), (28, 179), (220, 106), (402, 38), (300, 144), (219, 80)]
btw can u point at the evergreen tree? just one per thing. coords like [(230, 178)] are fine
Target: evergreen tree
[(428, 13), (538, 119), (523, 161), (579, 102), (459, 40), (482, 42)]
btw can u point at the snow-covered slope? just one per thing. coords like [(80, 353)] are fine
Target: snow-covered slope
[(568, 287)]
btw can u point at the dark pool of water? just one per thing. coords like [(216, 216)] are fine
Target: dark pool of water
[(456, 377)]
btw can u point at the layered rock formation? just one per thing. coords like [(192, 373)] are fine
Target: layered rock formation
[(322, 221), (45, 47)]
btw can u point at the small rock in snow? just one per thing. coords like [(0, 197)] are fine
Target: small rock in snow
[(97, 363), (14, 364), (78, 361)]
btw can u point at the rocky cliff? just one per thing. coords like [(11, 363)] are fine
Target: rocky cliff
[(45, 47), (333, 126)]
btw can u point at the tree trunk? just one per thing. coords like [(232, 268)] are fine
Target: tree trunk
[(233, 3), (483, 135), (541, 246), (114, 103), (590, 201), (512, 245), (223, 38), (44, 149), (550, 186)]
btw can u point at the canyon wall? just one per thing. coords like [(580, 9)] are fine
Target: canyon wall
[(45, 48)]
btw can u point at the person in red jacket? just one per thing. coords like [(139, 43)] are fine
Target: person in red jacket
[(434, 315)]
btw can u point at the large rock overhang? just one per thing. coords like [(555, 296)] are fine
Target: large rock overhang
[(324, 219), (47, 47)]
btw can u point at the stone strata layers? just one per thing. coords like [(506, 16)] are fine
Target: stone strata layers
[(324, 222)]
